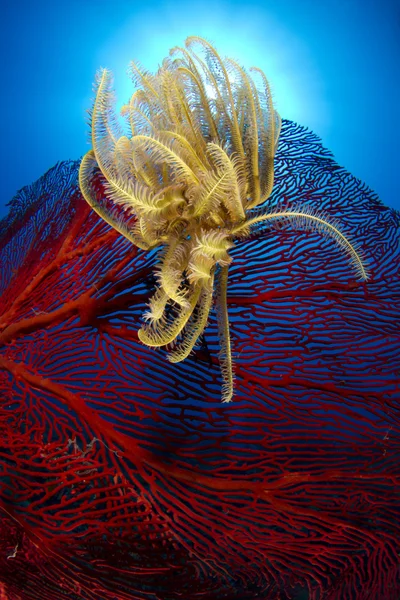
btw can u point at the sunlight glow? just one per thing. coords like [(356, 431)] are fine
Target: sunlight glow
[(251, 38)]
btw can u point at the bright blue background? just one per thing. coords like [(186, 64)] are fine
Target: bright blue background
[(333, 66)]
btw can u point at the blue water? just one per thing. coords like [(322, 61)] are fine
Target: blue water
[(333, 66)]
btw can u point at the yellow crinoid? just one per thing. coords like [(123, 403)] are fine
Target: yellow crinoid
[(198, 158)]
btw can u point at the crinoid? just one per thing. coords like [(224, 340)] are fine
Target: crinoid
[(198, 161)]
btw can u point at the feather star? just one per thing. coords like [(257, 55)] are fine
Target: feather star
[(195, 170)]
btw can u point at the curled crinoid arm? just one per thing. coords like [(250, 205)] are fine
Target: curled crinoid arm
[(87, 170), (195, 326), (157, 305), (303, 217), (165, 330), (171, 271)]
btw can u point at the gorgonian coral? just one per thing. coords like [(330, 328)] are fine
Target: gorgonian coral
[(196, 171)]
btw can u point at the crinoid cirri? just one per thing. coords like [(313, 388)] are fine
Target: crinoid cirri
[(195, 170)]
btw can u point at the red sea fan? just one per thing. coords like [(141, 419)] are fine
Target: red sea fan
[(124, 477)]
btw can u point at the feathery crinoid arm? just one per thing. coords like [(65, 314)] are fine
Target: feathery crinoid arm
[(195, 326), (240, 108), (269, 124), (195, 87), (105, 130), (233, 199), (112, 154), (217, 75), (167, 153), (171, 269), (165, 330), (254, 140), (87, 170), (225, 353), (306, 218)]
